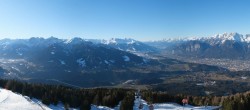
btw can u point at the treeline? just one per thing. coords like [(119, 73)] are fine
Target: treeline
[(161, 97), (128, 102), (83, 98), (239, 101), (72, 97)]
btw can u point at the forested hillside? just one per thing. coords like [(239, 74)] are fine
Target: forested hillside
[(83, 98), (71, 97)]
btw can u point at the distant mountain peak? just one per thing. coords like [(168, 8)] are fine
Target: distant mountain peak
[(233, 36), (74, 40), (119, 41)]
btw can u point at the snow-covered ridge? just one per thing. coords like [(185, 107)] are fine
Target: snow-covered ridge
[(233, 36), (51, 40), (230, 36), (119, 41), (75, 40), (13, 101)]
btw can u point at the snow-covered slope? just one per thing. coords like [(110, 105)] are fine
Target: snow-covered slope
[(174, 106), (95, 107), (158, 106), (13, 101), (222, 38)]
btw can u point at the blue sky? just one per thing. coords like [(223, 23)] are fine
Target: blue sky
[(138, 19)]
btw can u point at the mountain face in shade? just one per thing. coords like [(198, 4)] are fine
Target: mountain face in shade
[(67, 51), (85, 63), (54, 58)]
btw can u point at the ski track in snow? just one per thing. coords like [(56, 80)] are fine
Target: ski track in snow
[(4, 95)]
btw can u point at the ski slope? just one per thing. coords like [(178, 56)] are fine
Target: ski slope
[(174, 106), (159, 106), (13, 101)]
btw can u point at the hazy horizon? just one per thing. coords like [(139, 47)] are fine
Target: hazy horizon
[(108, 38)]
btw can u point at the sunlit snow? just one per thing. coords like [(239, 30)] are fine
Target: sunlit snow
[(81, 62), (126, 58)]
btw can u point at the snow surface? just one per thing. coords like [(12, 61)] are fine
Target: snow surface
[(112, 61), (174, 106), (116, 41), (158, 106), (111, 41), (62, 62), (126, 58), (244, 77), (169, 106), (13, 101), (131, 42), (106, 61), (145, 60), (19, 53), (81, 62), (94, 107)]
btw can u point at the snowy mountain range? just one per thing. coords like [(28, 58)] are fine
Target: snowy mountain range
[(91, 62), (234, 36), (69, 60), (126, 44), (227, 45), (79, 50), (82, 62)]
